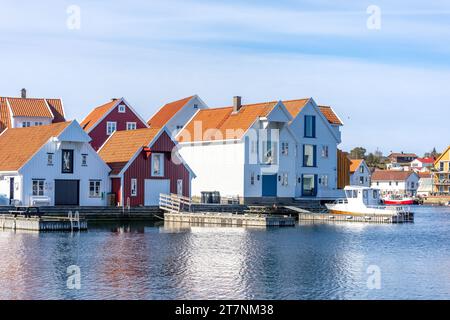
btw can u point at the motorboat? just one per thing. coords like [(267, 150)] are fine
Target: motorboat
[(365, 201)]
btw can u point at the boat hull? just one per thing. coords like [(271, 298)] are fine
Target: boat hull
[(404, 202)]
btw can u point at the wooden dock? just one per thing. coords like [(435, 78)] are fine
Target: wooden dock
[(43, 223), (230, 219), (355, 218)]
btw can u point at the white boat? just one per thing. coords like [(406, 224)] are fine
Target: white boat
[(365, 201)]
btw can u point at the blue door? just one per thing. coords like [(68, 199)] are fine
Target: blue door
[(269, 185)]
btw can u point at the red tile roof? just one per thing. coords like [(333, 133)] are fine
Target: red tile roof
[(96, 114), (223, 124), (390, 175), (163, 115), (426, 160), (18, 145), (5, 120), (123, 145)]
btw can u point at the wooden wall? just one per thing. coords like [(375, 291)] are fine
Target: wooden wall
[(343, 169)]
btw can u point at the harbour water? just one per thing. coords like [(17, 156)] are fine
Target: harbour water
[(309, 261)]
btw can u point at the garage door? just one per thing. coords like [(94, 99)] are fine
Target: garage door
[(67, 192), (153, 187)]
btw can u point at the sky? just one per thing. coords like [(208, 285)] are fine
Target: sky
[(384, 66)]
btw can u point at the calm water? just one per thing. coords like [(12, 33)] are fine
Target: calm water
[(310, 261)]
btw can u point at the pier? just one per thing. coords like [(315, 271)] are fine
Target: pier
[(180, 209), (304, 216), (72, 222)]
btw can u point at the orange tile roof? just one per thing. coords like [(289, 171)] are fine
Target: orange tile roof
[(123, 145), (295, 106), (332, 118), (223, 124), (163, 115), (390, 175), (354, 164), (18, 145), (29, 107), (5, 120), (56, 107), (96, 114)]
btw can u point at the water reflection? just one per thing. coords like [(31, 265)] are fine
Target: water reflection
[(160, 261)]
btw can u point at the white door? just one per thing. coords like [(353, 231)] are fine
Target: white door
[(153, 187)]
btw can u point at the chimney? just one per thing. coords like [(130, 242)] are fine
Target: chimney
[(237, 103), (23, 93)]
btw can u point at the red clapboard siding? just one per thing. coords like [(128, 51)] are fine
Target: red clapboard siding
[(140, 169), (98, 134)]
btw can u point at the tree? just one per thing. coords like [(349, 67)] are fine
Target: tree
[(358, 153)]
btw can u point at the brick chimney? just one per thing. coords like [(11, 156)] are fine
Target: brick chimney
[(23, 93), (237, 103)]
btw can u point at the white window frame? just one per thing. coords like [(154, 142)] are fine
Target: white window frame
[(285, 148), (97, 184), (133, 187), (180, 181), (161, 165), (121, 108), (50, 159), (133, 124), (84, 160), (108, 126), (39, 188), (325, 151)]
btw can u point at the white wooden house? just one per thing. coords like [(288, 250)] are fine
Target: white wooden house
[(393, 182), (52, 165)]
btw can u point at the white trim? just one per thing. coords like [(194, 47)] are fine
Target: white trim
[(11, 116), (49, 110), (161, 165), (107, 127), (131, 122)]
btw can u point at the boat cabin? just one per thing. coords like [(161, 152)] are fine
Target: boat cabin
[(362, 195)]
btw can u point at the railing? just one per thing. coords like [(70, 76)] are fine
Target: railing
[(174, 203)]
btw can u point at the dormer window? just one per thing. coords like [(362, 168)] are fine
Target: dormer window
[(121, 108)]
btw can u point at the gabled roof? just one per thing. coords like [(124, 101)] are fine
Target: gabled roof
[(120, 148), (216, 124), (30, 107), (295, 106), (18, 145), (354, 164), (166, 112), (95, 115), (391, 175), (442, 155), (331, 116), (400, 154)]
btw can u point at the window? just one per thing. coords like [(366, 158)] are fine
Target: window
[(38, 187), (49, 159), (284, 179), (269, 152), (180, 187), (441, 166), (133, 187), (252, 178), (412, 185), (179, 127), (94, 189), (157, 164), (122, 108), (67, 161), (375, 194), (38, 124), (26, 124), (361, 180), (361, 169), (84, 160), (324, 151), (285, 148), (195, 106), (323, 181), (310, 126), (131, 125), (309, 155), (111, 127)]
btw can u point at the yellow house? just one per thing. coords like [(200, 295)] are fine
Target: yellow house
[(441, 179)]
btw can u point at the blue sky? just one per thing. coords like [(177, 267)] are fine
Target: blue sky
[(390, 86)]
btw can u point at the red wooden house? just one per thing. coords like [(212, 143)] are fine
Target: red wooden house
[(116, 115), (145, 163)]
